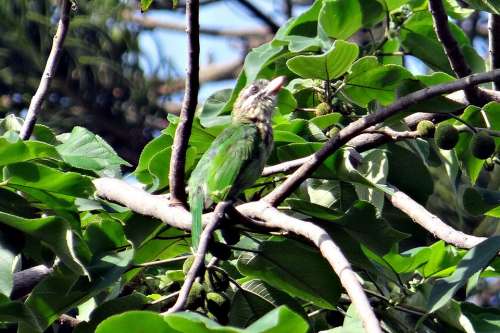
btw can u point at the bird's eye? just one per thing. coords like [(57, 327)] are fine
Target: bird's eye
[(254, 89)]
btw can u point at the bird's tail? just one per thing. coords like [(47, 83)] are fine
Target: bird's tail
[(196, 205)]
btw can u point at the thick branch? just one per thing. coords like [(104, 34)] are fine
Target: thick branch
[(48, 73), (26, 280), (158, 207), (452, 49), (431, 222), (199, 260), (356, 127), (260, 15), (183, 132), (494, 44)]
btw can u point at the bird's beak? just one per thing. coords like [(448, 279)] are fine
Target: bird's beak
[(275, 85)]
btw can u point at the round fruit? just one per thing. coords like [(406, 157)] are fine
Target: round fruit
[(426, 129), (446, 136), (333, 131), (322, 109), (196, 296), (216, 280), (482, 145), (218, 304), (187, 264)]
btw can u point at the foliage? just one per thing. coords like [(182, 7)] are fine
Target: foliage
[(50, 216)]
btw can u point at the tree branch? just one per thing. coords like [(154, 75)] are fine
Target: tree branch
[(431, 222), (48, 73), (26, 280), (260, 15), (356, 127), (199, 260), (452, 49), (494, 44), (177, 216), (183, 132)]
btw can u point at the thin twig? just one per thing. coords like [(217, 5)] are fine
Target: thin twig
[(48, 73), (452, 49), (494, 44), (160, 262), (356, 127), (199, 260), (183, 131)]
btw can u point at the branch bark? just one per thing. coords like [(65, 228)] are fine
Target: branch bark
[(356, 127), (183, 132), (452, 49), (431, 222), (494, 44), (49, 72), (177, 216)]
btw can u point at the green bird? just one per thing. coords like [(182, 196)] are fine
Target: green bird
[(236, 158)]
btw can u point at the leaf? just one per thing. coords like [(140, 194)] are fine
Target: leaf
[(478, 201), (62, 290), (341, 18), (475, 260), (135, 301), (195, 322), (327, 66), (288, 137), (145, 4), (254, 299), (86, 150), (209, 115), (8, 253), (294, 268), (374, 168), (492, 6), (314, 210), (135, 322), (22, 151), (482, 319), (54, 232), (368, 80), (17, 312), (352, 323), (280, 320)]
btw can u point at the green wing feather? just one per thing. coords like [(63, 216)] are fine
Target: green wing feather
[(232, 163)]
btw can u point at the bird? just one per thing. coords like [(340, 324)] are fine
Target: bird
[(237, 156)]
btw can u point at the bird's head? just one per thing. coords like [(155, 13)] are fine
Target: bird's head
[(256, 102)]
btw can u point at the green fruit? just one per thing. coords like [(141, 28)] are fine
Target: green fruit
[(333, 131), (216, 280), (217, 304), (220, 250), (322, 109), (446, 136), (187, 264), (426, 129), (231, 235), (482, 145), (196, 296)]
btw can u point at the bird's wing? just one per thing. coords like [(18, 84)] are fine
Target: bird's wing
[(232, 159), (210, 180)]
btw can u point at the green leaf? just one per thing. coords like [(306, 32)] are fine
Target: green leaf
[(195, 322), (254, 299), (62, 290), (478, 201), (492, 6), (8, 253), (86, 150), (135, 322), (314, 210), (21, 151), (150, 150), (294, 268), (280, 320), (30, 175), (209, 115), (475, 260), (17, 312), (53, 231), (145, 4), (352, 323), (368, 80), (135, 301), (327, 66), (341, 18), (288, 137), (483, 319), (455, 11)]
